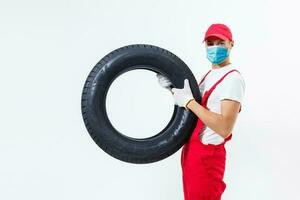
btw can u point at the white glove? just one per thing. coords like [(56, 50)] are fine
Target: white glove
[(184, 95), (163, 81)]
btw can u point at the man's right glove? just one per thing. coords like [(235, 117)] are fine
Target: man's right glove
[(164, 81)]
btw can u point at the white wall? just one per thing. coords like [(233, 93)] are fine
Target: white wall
[(48, 48)]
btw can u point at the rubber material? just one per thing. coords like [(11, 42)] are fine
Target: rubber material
[(122, 147)]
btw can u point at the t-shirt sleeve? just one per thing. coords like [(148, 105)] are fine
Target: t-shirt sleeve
[(233, 88)]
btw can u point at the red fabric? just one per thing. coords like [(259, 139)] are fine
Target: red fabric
[(218, 30), (203, 165)]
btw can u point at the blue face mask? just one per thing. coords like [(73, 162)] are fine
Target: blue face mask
[(216, 54)]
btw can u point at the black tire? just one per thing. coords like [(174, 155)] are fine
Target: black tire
[(122, 147)]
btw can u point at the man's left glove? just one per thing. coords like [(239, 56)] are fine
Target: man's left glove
[(184, 95)]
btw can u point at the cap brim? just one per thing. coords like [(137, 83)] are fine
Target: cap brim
[(222, 37)]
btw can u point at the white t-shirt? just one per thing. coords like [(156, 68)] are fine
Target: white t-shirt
[(231, 87)]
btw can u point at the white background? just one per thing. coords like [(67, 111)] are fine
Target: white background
[(47, 49)]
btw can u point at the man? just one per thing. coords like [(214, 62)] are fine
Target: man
[(222, 88)]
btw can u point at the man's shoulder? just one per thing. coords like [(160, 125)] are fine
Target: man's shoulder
[(234, 78), (236, 74)]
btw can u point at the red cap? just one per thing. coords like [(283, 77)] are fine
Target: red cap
[(218, 30)]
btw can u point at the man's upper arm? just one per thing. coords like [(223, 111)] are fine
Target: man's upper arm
[(231, 98), (229, 110)]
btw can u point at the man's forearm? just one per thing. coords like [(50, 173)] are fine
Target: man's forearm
[(213, 120)]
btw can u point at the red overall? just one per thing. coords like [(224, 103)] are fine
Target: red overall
[(203, 165)]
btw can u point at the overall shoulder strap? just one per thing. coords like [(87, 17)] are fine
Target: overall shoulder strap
[(204, 77)]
